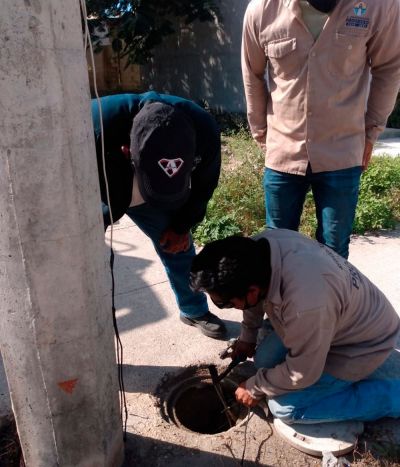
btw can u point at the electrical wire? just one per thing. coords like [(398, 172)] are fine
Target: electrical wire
[(119, 347)]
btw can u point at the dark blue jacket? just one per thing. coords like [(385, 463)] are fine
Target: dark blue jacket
[(118, 112)]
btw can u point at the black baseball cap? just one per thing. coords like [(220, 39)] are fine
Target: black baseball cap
[(163, 144)]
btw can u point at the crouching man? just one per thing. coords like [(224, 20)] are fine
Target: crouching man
[(331, 329)]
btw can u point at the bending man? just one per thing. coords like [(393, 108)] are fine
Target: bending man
[(163, 157)]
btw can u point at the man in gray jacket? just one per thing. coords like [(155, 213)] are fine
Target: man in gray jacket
[(332, 329)]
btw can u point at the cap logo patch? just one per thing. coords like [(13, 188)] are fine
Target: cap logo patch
[(171, 166)]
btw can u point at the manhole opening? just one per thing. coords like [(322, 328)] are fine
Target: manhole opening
[(198, 408), (189, 400)]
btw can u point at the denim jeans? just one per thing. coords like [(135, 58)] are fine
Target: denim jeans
[(153, 222), (335, 195), (330, 399)]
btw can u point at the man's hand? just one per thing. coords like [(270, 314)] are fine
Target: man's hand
[(243, 348), (171, 242), (243, 396), (367, 154)]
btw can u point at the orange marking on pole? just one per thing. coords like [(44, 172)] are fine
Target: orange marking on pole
[(68, 386)]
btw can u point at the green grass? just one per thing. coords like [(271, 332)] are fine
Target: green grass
[(237, 206)]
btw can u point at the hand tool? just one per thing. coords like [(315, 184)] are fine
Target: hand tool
[(216, 379), (240, 358), (218, 389), (228, 351)]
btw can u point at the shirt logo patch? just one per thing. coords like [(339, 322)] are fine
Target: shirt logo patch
[(360, 9), (356, 22), (171, 166)]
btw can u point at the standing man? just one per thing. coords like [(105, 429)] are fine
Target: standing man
[(332, 329), (163, 157), (321, 78)]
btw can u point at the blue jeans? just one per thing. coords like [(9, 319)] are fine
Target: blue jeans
[(330, 399), (335, 195), (153, 222)]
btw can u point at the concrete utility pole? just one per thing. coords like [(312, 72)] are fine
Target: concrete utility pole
[(55, 315)]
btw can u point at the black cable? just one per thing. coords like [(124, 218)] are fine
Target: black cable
[(120, 358)]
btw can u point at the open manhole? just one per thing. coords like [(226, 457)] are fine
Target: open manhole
[(190, 401)]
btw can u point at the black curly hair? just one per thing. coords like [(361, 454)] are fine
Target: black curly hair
[(230, 266)]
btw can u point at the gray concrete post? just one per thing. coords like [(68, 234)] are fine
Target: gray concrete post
[(55, 314)]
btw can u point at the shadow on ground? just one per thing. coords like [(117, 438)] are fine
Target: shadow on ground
[(146, 452)]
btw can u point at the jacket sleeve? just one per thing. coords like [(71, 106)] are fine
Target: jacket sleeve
[(384, 55), (252, 322), (203, 182), (254, 63), (117, 113), (119, 177)]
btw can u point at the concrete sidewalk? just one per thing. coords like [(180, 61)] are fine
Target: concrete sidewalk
[(388, 143), (156, 345), (387, 147)]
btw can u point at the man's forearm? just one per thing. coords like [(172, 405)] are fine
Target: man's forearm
[(256, 101), (381, 101), (252, 322), (253, 62)]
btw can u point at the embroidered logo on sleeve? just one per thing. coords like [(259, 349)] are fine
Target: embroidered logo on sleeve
[(171, 166)]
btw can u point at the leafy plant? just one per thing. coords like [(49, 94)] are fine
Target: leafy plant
[(213, 228)]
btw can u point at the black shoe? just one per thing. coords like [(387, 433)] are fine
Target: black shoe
[(209, 324)]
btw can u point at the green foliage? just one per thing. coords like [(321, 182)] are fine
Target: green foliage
[(379, 198), (214, 228), (142, 25), (238, 202)]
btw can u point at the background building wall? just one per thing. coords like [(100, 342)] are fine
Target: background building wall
[(200, 62), (112, 76)]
